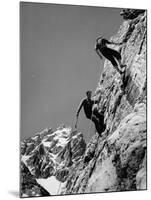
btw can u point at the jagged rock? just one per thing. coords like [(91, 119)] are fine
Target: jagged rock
[(62, 174), (141, 176), (131, 13)]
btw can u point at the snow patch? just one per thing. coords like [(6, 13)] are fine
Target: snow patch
[(52, 185)]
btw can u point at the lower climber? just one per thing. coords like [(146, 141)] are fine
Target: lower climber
[(98, 119), (112, 55)]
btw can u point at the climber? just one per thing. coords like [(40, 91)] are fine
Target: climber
[(98, 119), (112, 55)]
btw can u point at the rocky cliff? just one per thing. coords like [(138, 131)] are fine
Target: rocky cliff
[(116, 161)]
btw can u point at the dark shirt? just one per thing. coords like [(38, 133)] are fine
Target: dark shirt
[(103, 42), (87, 106)]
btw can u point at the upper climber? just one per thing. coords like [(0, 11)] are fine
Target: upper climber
[(98, 119), (112, 55)]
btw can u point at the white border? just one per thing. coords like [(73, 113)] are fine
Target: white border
[(9, 100)]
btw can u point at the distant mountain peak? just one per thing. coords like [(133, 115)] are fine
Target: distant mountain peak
[(50, 153)]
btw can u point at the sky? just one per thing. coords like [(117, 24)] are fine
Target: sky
[(58, 62)]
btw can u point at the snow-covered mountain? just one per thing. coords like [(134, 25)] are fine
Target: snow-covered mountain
[(60, 162), (48, 155)]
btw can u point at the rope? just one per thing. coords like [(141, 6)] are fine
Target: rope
[(93, 110), (90, 125)]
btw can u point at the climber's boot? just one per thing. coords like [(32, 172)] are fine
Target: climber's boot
[(122, 69), (102, 128)]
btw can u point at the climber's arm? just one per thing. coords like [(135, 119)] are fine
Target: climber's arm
[(79, 108), (115, 43), (98, 52)]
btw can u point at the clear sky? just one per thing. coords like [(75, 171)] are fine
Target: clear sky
[(58, 61)]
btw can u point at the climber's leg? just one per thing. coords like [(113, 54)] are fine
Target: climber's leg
[(114, 63), (117, 55), (100, 117), (99, 125), (97, 114), (111, 54), (115, 58), (122, 67), (96, 122)]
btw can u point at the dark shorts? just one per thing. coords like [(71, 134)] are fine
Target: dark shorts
[(111, 54)]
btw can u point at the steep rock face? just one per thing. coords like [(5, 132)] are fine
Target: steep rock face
[(117, 160), (49, 154)]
